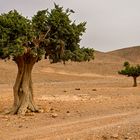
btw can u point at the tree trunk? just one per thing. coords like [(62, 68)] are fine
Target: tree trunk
[(135, 81), (23, 90)]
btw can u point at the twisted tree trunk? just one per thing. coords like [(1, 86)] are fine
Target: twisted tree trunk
[(23, 90), (135, 81)]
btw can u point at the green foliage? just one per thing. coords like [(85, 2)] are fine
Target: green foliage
[(126, 64), (49, 33), (133, 71), (14, 31)]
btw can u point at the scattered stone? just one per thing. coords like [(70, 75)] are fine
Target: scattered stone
[(8, 124), (94, 89), (6, 118), (104, 137), (115, 136), (127, 138), (68, 112), (128, 133), (54, 115), (65, 91), (22, 117), (51, 109), (28, 111), (20, 126), (78, 112), (30, 114), (41, 111), (77, 88)]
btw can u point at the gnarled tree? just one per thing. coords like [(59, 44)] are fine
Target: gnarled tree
[(131, 71), (50, 34)]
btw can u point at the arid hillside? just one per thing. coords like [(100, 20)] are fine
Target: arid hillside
[(131, 54), (104, 64)]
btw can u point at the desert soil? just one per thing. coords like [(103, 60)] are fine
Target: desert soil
[(86, 101)]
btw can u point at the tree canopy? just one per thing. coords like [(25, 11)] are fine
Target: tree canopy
[(49, 34), (131, 71)]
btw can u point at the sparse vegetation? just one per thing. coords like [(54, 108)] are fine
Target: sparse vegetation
[(50, 34), (131, 71)]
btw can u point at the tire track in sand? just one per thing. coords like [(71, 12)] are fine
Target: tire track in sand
[(68, 129)]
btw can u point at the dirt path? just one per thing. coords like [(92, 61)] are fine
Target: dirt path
[(78, 129)]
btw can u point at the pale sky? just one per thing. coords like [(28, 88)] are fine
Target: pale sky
[(111, 24)]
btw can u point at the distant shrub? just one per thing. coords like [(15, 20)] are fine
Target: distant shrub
[(131, 71)]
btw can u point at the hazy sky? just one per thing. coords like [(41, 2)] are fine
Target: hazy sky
[(111, 24)]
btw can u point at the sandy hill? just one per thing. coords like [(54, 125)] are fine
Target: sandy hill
[(102, 57), (104, 64), (131, 54)]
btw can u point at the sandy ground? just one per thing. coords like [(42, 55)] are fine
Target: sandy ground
[(77, 104)]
